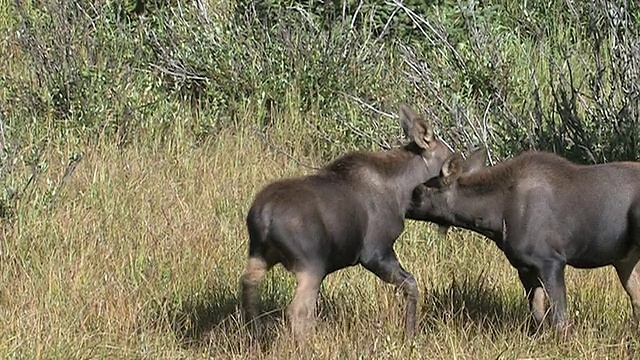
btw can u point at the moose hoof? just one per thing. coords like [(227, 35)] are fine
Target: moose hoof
[(303, 330)]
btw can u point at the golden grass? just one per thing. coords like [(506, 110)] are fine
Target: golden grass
[(141, 254)]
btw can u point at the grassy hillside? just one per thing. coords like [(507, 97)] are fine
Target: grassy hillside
[(135, 134)]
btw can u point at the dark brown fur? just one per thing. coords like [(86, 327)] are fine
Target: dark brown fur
[(349, 212), (389, 162), (504, 175), (544, 212)]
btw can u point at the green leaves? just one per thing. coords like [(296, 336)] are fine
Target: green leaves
[(508, 75)]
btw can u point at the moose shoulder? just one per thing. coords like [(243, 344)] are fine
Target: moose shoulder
[(349, 212), (544, 212)]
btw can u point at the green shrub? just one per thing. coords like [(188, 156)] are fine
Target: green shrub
[(507, 75)]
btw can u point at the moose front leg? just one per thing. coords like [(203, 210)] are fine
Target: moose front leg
[(552, 276), (535, 295), (388, 269)]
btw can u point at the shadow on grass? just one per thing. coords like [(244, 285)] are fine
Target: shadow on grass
[(473, 301), (214, 319)]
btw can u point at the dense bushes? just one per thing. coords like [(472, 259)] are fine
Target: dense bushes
[(508, 75), (511, 75)]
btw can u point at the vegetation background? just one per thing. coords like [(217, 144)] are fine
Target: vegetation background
[(134, 134)]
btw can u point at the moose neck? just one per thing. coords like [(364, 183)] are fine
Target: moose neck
[(387, 182), (414, 170), (387, 177), (479, 206)]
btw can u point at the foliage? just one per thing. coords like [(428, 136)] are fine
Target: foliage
[(507, 75)]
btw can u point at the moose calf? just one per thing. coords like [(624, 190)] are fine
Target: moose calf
[(349, 212), (543, 212)]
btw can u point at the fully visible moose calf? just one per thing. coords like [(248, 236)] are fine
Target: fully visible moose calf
[(349, 212), (544, 212)]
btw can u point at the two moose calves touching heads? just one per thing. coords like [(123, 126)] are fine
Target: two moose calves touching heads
[(352, 210)]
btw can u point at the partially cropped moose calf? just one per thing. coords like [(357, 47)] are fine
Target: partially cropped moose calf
[(349, 212), (544, 212)]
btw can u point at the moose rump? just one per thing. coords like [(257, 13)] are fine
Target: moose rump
[(349, 212), (315, 225)]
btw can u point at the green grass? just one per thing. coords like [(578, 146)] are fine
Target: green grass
[(141, 255)]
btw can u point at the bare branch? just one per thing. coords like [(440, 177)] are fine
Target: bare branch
[(370, 107), (74, 160), (3, 139)]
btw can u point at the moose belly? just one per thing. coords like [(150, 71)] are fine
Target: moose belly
[(342, 255), (589, 263), (599, 252), (345, 245)]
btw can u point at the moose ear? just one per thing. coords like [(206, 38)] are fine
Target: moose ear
[(476, 160), (415, 127), (452, 167)]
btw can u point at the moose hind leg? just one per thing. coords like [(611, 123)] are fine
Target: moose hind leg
[(628, 271), (302, 310), (250, 282), (389, 270)]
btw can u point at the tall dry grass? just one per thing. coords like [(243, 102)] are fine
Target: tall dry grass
[(140, 256)]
